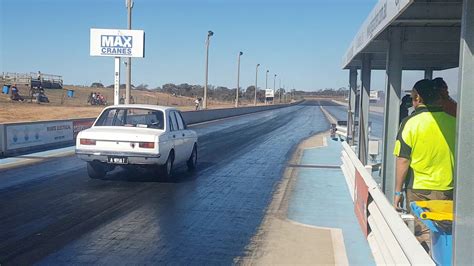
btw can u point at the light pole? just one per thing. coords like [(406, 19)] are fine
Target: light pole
[(274, 82), (266, 85), (279, 90), (256, 78), (238, 80), (204, 102), (129, 5)]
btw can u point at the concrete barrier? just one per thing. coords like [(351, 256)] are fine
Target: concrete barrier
[(2, 139), (21, 138), (193, 117)]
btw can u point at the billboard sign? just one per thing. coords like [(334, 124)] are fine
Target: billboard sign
[(269, 93), (117, 43), (79, 125), (29, 135)]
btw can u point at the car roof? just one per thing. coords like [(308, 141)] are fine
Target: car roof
[(143, 106)]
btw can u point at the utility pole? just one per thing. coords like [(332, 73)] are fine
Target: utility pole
[(238, 81), (256, 78), (284, 94), (274, 83), (204, 102), (279, 90), (129, 4), (266, 85)]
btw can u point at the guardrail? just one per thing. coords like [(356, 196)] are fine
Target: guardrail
[(18, 138), (390, 239)]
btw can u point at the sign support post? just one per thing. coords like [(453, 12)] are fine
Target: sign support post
[(117, 81)]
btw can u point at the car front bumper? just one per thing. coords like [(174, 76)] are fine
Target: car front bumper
[(132, 157)]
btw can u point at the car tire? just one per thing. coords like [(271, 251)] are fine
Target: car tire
[(96, 170), (166, 170), (192, 161)]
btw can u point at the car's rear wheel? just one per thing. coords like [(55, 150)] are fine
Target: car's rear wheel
[(166, 170), (96, 170), (192, 161)]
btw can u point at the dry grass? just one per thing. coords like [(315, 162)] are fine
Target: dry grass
[(62, 107)]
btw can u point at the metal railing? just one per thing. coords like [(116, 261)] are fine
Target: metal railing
[(15, 78), (10, 78), (390, 239)]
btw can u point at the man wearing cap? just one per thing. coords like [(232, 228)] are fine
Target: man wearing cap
[(425, 153)]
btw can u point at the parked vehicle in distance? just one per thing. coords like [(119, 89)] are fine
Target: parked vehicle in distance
[(135, 134)]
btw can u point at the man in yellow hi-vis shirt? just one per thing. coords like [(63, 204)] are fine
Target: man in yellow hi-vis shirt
[(425, 153)]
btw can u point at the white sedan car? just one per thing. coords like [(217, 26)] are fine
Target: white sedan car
[(135, 134)]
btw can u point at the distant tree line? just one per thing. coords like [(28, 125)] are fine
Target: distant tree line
[(327, 92), (221, 93), (122, 86)]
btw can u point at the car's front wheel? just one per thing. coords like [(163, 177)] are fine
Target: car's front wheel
[(192, 161), (96, 170)]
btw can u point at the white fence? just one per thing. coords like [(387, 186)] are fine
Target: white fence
[(390, 239)]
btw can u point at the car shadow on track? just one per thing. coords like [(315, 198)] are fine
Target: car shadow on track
[(180, 175)]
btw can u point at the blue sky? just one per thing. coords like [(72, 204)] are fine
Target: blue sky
[(302, 41)]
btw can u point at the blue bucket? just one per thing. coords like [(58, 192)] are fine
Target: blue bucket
[(70, 93), (441, 247), (6, 89)]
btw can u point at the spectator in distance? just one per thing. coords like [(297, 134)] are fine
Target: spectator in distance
[(406, 104), (15, 94)]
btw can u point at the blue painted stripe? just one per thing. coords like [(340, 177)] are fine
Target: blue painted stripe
[(37, 155), (321, 198)]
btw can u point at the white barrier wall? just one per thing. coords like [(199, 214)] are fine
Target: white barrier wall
[(42, 135), (2, 139), (18, 138), (390, 239), (193, 117), (35, 134)]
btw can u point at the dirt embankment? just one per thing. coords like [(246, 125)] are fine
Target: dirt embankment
[(63, 107)]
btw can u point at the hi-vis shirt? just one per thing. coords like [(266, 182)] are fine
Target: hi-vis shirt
[(427, 139)]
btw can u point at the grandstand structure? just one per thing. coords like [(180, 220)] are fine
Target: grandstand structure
[(32, 80)]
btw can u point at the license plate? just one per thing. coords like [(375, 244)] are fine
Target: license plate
[(118, 160)]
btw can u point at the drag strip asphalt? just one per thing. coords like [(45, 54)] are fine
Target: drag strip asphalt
[(53, 213)]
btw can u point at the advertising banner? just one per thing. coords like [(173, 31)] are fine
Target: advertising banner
[(79, 125), (269, 93), (361, 195), (117, 43), (29, 135)]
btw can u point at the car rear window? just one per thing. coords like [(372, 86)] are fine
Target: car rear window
[(131, 117)]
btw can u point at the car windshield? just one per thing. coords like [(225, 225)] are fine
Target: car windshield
[(131, 117)]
